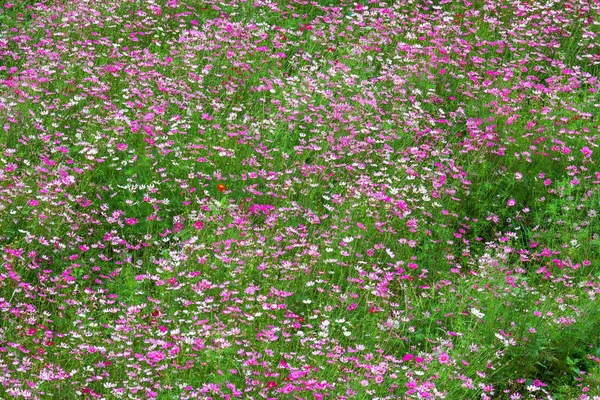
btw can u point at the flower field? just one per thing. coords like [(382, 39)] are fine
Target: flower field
[(300, 199)]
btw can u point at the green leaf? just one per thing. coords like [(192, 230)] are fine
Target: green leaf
[(570, 361)]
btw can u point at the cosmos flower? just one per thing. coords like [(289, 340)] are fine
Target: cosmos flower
[(444, 358)]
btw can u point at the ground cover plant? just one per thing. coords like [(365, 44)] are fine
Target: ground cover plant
[(299, 200)]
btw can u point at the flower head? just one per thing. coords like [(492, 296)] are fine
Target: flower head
[(443, 358), (587, 153)]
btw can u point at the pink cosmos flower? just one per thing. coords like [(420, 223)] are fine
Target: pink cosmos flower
[(444, 358), (511, 202), (260, 208), (587, 153), (155, 356), (199, 225)]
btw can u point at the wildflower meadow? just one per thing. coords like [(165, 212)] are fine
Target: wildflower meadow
[(294, 199)]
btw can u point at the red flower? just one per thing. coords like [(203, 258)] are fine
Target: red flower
[(271, 384), (221, 187)]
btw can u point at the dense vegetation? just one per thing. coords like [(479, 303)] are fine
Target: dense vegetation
[(299, 200)]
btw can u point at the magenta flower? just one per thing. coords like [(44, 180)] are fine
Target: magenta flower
[(155, 356), (260, 208), (511, 203), (587, 153), (444, 358), (199, 225)]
